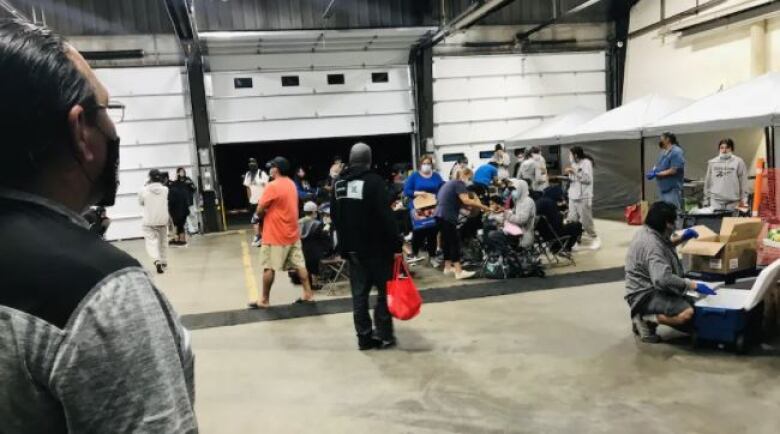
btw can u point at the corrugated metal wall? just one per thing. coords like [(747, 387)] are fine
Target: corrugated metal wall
[(114, 17), (307, 14), (98, 17)]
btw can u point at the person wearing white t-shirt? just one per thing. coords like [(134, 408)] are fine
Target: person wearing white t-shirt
[(255, 181)]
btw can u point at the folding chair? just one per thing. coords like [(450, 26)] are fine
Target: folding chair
[(333, 271), (547, 248)]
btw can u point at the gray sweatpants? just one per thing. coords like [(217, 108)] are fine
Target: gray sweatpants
[(717, 205), (157, 243), (581, 210)]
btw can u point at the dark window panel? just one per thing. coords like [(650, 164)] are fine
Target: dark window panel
[(290, 81), (335, 79), (379, 77), (242, 83)]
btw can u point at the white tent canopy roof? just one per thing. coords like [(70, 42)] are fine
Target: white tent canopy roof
[(626, 121), (547, 132), (754, 103)]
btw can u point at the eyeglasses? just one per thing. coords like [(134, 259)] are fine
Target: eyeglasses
[(114, 109)]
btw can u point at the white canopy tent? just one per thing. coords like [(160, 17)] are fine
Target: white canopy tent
[(548, 132), (626, 121), (752, 104)]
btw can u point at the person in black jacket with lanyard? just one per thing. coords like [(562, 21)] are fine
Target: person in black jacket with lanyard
[(367, 237)]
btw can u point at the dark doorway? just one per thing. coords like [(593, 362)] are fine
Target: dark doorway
[(315, 155)]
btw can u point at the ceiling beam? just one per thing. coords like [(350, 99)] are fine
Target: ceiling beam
[(477, 11), (522, 37)]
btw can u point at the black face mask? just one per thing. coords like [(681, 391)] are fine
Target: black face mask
[(109, 179)]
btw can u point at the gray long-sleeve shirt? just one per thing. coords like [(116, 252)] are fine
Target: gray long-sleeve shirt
[(87, 343), (652, 265), (726, 180), (581, 186)]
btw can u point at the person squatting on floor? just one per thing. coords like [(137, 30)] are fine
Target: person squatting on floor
[(581, 179), (87, 343), (368, 238), (154, 202), (655, 287), (281, 249)]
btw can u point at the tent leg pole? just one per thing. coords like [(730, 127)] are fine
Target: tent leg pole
[(642, 165)]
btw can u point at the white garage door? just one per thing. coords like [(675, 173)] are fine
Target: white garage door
[(155, 133), (482, 100)]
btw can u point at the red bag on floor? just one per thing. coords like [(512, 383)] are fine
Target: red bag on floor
[(403, 298), (635, 214)]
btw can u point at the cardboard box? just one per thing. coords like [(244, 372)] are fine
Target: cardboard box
[(732, 250), (427, 200)]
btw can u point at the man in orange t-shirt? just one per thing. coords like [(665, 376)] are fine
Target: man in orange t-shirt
[(281, 249)]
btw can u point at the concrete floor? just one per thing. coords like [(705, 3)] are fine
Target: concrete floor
[(548, 361)]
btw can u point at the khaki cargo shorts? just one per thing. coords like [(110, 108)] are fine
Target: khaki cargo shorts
[(282, 258)]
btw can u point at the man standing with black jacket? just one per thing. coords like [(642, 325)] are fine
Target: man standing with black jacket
[(368, 238)]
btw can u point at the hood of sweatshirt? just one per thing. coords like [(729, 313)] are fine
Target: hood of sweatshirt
[(156, 188)]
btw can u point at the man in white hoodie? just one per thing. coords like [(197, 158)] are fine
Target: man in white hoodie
[(154, 200)]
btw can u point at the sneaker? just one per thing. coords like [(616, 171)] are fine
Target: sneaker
[(386, 344), (464, 274), (173, 242), (257, 242), (408, 237), (160, 267), (449, 271), (435, 263), (577, 248), (595, 244), (644, 331), (413, 259)]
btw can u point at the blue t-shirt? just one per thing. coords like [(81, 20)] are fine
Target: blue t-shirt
[(448, 201), (485, 174), (674, 157), (417, 182)]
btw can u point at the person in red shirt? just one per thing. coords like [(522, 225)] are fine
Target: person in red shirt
[(281, 249)]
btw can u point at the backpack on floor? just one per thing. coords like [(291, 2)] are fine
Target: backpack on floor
[(495, 267)]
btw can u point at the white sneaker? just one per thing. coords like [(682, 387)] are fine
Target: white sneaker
[(577, 248), (464, 274), (411, 259), (448, 271), (408, 238), (595, 244)]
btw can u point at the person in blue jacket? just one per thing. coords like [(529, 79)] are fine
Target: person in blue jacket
[(484, 176), (669, 171), (305, 191), (424, 231)]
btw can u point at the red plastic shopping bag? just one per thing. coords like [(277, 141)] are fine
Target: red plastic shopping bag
[(403, 298)]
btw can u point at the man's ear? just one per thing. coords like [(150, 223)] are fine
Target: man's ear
[(77, 122)]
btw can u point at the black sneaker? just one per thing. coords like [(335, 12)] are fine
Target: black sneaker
[(644, 331), (160, 268), (370, 344), (386, 344)]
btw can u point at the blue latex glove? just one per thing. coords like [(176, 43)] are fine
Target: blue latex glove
[(702, 288), (650, 175), (688, 234)]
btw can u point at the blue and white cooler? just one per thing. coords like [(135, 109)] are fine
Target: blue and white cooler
[(733, 316)]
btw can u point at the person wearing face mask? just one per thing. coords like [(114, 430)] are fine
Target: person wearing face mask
[(154, 201), (453, 196), (255, 181), (655, 287), (462, 163), (533, 170), (179, 203), (580, 175), (82, 325), (424, 230), (669, 171), (726, 184), (523, 213)]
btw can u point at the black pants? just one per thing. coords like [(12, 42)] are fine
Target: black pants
[(450, 240), (365, 273), (574, 231), (180, 223), (425, 238)]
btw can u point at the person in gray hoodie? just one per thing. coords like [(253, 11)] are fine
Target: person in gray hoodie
[(580, 175), (154, 200), (656, 290), (726, 184), (523, 214)]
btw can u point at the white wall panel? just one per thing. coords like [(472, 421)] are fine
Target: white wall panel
[(326, 60), (487, 109), (518, 85), (482, 100), (141, 81), (156, 133), (486, 65), (310, 106), (310, 82), (312, 128), (269, 111), (153, 107)]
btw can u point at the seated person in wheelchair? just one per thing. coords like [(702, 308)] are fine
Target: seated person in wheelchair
[(315, 240), (656, 290), (551, 227)]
